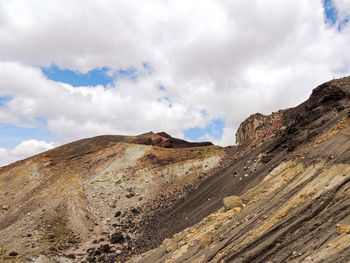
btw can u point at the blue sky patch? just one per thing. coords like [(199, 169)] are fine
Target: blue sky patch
[(99, 76), (331, 12), (4, 100), (214, 129), (11, 135), (332, 15)]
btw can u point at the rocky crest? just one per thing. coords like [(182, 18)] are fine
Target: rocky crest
[(258, 126)]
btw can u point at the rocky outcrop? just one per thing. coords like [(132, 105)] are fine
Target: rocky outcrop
[(257, 126), (164, 140)]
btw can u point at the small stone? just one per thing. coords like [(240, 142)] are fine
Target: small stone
[(105, 248), (112, 204), (13, 254), (130, 195), (5, 207), (91, 259), (237, 209), (342, 229), (232, 202)]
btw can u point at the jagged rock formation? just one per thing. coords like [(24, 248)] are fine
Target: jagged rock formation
[(109, 198), (258, 126)]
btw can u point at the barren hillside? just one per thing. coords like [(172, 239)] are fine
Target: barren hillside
[(154, 198)]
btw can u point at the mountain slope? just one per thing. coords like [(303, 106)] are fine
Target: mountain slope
[(108, 198), (293, 176), (66, 197)]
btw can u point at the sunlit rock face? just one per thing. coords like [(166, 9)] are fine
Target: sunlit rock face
[(258, 125)]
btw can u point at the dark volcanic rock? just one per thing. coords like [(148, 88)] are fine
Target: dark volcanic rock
[(117, 237), (72, 256), (105, 248), (13, 254)]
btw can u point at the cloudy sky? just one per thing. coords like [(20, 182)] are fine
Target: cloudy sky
[(195, 69)]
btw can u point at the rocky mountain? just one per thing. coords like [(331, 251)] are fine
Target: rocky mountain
[(154, 198), (73, 197)]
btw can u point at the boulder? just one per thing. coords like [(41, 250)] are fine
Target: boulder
[(117, 237), (232, 202)]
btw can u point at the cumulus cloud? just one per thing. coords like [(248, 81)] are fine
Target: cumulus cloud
[(23, 150), (225, 58)]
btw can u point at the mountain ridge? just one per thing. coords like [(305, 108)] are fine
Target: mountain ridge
[(106, 199)]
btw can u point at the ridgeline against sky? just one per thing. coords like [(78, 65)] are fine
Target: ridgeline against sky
[(194, 70)]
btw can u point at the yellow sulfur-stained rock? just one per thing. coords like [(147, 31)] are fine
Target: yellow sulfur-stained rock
[(341, 229), (206, 243), (167, 241), (237, 209), (172, 248)]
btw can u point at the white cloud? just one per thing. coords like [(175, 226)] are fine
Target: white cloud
[(23, 150), (227, 58), (343, 7)]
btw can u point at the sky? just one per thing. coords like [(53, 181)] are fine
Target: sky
[(196, 70)]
